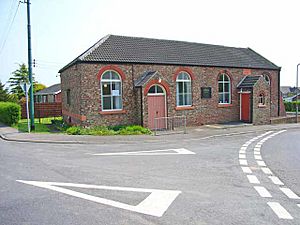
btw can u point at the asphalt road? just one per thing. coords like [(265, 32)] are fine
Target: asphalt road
[(211, 186)]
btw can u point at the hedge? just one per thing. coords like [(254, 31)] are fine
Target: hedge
[(291, 106), (10, 113)]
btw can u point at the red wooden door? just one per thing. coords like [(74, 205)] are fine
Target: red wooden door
[(245, 107), (156, 109)]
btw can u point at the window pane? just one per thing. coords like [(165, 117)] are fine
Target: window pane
[(226, 78), (106, 88), (159, 90), (220, 78), (221, 98), (220, 87), (152, 90), (116, 86), (106, 75), (106, 104), (187, 87), (226, 87), (117, 104), (180, 99), (180, 87), (227, 98), (114, 76), (188, 99)]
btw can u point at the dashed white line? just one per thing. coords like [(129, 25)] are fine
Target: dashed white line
[(242, 152), (257, 157), (253, 179), (298, 205), (243, 162), (246, 169), (256, 149), (261, 163), (263, 192), (242, 156), (266, 170), (288, 192), (256, 153), (243, 148), (280, 211), (276, 180)]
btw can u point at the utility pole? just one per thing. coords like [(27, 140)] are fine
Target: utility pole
[(31, 108)]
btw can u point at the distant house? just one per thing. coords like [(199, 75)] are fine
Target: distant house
[(288, 91), (292, 98), (48, 95), (129, 80)]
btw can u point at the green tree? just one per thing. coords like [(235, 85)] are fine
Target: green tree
[(38, 87), (20, 75), (3, 93)]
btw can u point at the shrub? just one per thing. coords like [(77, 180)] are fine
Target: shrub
[(134, 129), (74, 130), (10, 113), (291, 106)]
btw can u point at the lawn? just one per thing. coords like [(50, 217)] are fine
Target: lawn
[(42, 125)]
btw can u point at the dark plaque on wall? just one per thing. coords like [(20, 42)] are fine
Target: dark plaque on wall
[(206, 92)]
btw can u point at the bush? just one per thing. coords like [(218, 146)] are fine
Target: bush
[(134, 129), (101, 130), (10, 113), (291, 106)]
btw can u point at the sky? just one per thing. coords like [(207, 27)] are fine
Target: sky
[(63, 29)]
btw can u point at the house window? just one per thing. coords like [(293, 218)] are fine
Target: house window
[(224, 89), (111, 91), (261, 99), (267, 78), (183, 89), (155, 89), (68, 96), (50, 98)]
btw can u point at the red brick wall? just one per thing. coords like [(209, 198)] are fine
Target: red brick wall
[(57, 97), (86, 100), (43, 110)]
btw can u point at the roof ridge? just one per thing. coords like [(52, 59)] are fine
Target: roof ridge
[(93, 47)]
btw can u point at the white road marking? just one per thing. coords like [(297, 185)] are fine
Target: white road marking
[(178, 151), (243, 162), (243, 148), (256, 149), (242, 156), (263, 192), (256, 153), (245, 145), (276, 180), (288, 192), (155, 204), (257, 157), (242, 152), (298, 205), (261, 163), (253, 179), (266, 170), (280, 211), (246, 169)]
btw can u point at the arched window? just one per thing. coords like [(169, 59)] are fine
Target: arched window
[(224, 89), (267, 78), (183, 89), (155, 89), (261, 99), (111, 91)]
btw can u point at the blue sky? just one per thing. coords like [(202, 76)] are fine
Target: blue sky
[(63, 29)]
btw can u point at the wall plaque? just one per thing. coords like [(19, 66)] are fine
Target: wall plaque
[(205, 92)]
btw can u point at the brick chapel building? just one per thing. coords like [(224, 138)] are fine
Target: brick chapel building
[(129, 80)]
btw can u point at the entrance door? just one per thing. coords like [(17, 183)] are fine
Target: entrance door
[(245, 107), (156, 107)]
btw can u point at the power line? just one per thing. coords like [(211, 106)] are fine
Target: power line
[(9, 28)]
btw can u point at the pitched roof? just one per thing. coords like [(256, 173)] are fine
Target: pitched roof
[(121, 49), (53, 89), (248, 82), (144, 78)]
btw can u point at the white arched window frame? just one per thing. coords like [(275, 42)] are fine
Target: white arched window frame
[(183, 89), (111, 91), (224, 89), (156, 90)]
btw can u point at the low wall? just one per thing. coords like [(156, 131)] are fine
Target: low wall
[(43, 110), (286, 119)]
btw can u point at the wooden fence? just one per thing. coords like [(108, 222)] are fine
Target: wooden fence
[(43, 110)]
